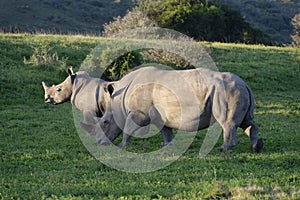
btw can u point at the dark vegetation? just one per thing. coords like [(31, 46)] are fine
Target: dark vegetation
[(203, 20), (271, 16)]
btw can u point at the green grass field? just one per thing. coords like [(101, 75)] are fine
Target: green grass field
[(42, 156)]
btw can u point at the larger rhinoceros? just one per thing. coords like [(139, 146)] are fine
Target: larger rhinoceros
[(188, 100)]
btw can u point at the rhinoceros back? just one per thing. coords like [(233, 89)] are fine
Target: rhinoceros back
[(181, 98)]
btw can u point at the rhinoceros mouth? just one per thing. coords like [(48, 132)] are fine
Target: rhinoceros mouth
[(50, 101)]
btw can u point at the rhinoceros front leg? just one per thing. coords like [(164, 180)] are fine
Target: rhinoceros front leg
[(89, 122), (229, 136), (125, 140), (134, 121)]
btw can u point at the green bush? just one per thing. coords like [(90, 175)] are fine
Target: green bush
[(119, 67), (202, 20), (132, 20), (114, 58), (114, 63), (44, 57)]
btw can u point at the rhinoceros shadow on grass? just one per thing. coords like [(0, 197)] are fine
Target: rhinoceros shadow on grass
[(187, 100)]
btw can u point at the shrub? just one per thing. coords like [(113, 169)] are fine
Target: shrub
[(132, 20), (44, 58), (114, 58), (119, 67), (296, 25), (202, 20)]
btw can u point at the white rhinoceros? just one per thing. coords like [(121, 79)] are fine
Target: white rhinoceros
[(188, 100), (85, 93)]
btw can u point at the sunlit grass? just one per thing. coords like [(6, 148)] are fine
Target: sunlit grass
[(42, 156)]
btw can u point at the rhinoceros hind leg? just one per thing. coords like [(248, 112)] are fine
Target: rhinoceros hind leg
[(258, 145), (134, 121)]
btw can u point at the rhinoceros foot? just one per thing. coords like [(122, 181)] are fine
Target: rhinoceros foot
[(258, 145), (167, 144)]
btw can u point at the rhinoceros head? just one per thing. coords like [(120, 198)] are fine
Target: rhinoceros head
[(109, 127), (60, 93), (105, 127)]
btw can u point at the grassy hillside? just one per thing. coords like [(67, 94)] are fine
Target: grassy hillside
[(42, 156)]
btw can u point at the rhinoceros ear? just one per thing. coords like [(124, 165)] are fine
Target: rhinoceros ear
[(45, 86), (110, 87), (71, 74), (70, 71)]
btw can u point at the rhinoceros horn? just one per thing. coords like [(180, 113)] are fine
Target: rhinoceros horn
[(45, 86)]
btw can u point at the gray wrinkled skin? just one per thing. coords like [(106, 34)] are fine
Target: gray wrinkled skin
[(187, 100), (88, 96)]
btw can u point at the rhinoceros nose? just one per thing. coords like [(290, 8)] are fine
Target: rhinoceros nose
[(48, 100)]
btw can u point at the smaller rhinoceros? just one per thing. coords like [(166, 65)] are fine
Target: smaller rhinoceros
[(85, 93)]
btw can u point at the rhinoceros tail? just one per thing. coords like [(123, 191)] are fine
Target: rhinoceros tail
[(248, 119)]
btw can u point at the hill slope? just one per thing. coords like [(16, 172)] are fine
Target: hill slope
[(271, 16), (62, 16)]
